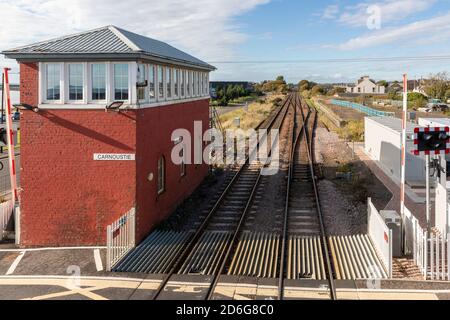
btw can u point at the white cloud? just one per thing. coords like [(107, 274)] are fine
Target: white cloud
[(330, 12), (203, 28), (410, 33), (391, 11)]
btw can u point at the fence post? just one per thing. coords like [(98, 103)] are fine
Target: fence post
[(390, 254), (425, 246), (108, 248), (448, 257), (17, 225)]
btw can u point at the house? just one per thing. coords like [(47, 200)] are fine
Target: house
[(100, 108), (365, 85)]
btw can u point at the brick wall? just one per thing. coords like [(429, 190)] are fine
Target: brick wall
[(67, 197), (29, 83), (154, 130)]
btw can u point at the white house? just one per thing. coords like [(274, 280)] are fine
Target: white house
[(366, 85)]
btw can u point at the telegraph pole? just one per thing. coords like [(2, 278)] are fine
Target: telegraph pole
[(403, 161)]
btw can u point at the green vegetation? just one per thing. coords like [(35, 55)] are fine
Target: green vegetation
[(257, 112), (278, 85), (437, 86), (353, 131), (231, 93)]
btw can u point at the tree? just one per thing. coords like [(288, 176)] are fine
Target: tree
[(447, 94), (280, 78), (437, 85), (317, 90), (383, 83)]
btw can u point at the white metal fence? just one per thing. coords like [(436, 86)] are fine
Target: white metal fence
[(431, 253), (120, 238), (6, 211), (380, 235)]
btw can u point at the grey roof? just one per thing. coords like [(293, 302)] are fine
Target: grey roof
[(109, 41)]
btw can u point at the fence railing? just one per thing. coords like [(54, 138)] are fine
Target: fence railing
[(439, 257), (361, 108), (431, 253), (6, 212), (380, 235), (120, 238)]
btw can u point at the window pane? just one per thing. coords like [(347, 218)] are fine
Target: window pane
[(182, 82), (76, 81), (98, 81), (151, 81), (161, 174), (175, 82), (198, 83), (188, 83), (121, 81), (141, 80), (53, 81), (169, 82), (194, 88), (160, 82)]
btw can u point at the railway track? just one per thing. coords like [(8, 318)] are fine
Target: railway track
[(304, 238), (204, 251), (226, 239)]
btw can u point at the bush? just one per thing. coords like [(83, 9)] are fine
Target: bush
[(353, 131)]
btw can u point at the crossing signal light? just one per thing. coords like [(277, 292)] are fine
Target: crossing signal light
[(432, 141)]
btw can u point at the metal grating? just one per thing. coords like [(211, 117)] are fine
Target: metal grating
[(354, 257), (156, 254), (305, 258), (204, 259), (256, 255)]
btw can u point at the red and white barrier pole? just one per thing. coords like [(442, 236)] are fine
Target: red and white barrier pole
[(10, 133), (403, 160)]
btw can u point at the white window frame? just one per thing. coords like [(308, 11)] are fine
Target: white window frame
[(90, 86), (176, 83), (182, 83), (169, 83), (190, 82), (113, 89), (43, 83), (67, 83), (146, 93), (155, 80), (163, 75)]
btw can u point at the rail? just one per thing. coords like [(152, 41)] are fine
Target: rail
[(310, 153), (200, 230)]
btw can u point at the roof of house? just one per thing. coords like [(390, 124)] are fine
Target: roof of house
[(111, 41)]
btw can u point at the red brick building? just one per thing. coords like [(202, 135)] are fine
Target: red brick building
[(70, 192)]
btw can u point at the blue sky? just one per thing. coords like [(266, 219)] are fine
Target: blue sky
[(258, 30)]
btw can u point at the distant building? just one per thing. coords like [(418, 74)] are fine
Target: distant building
[(366, 85)]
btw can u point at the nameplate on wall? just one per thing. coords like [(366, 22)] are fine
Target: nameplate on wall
[(114, 157)]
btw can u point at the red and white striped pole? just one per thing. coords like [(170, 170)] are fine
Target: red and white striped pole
[(10, 135), (403, 160)]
